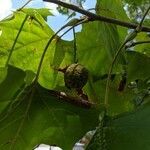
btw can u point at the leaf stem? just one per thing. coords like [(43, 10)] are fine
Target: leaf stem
[(75, 46), (43, 54), (110, 72), (13, 46), (24, 5)]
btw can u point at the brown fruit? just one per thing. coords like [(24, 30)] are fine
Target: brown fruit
[(75, 76)]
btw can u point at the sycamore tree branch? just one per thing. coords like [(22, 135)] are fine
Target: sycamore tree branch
[(94, 17), (77, 101)]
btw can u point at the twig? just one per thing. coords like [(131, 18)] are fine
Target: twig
[(77, 101), (137, 43), (24, 5), (94, 17)]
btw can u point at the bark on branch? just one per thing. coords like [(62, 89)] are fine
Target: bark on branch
[(94, 17), (72, 100)]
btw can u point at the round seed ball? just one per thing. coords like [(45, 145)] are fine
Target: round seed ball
[(76, 76)]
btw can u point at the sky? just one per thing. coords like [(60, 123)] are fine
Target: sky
[(5, 7), (55, 22)]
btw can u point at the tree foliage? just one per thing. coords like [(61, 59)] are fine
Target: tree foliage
[(35, 105)]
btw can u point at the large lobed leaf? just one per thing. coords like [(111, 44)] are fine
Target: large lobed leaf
[(35, 117), (30, 44), (138, 66), (8, 88), (130, 131)]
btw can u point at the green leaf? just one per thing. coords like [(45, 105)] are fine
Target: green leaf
[(44, 12), (138, 66), (92, 49), (12, 83), (100, 50), (111, 8), (111, 35), (96, 54), (118, 102), (130, 131), (41, 118), (63, 52), (3, 73), (30, 45), (143, 48), (29, 77)]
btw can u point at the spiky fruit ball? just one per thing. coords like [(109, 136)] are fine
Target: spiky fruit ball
[(75, 76)]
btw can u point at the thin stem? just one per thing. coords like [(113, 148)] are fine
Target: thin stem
[(79, 23), (24, 5), (141, 22), (13, 46), (44, 52), (110, 72), (94, 17), (137, 43), (75, 46)]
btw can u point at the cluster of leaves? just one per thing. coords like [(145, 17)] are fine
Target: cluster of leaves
[(30, 115)]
